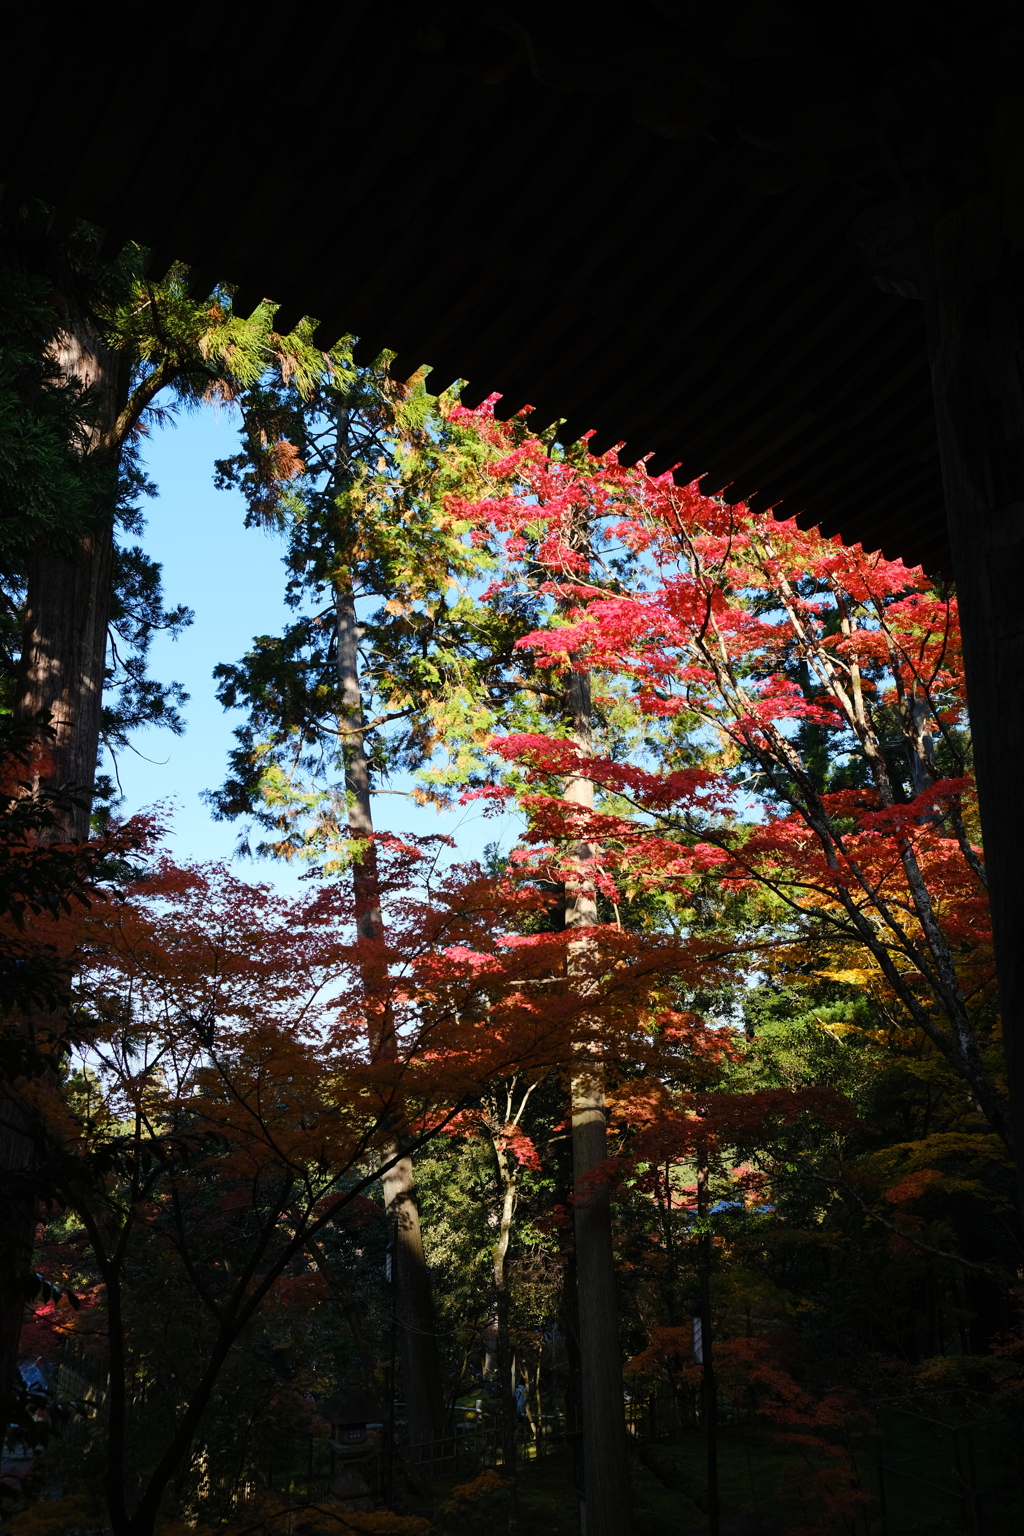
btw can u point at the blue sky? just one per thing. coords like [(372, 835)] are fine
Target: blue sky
[(234, 580)]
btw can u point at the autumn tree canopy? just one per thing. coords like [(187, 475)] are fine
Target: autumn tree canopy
[(746, 899)]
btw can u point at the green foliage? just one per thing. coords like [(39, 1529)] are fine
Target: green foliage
[(183, 354), (43, 491), (863, 1230), (461, 1199), (173, 353), (355, 474)]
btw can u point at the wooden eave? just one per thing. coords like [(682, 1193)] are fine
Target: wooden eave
[(530, 238)]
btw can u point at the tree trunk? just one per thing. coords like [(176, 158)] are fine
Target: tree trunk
[(569, 1319), (64, 641), (63, 658), (61, 674), (506, 1365), (421, 1365), (17, 1236), (975, 311), (489, 1363), (606, 1467)]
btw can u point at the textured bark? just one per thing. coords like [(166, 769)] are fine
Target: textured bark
[(64, 639), (63, 657), (421, 1365), (975, 305), (606, 1466)]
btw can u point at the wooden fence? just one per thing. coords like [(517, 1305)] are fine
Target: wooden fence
[(307, 1469)]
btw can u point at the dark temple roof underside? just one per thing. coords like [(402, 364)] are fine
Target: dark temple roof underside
[(653, 226)]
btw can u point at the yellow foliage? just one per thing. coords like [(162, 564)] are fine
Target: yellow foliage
[(947, 1162), (836, 1030)]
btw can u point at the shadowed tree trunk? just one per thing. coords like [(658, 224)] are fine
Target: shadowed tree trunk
[(421, 1366), (61, 675), (606, 1466)]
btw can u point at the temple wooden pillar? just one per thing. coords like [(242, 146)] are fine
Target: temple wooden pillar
[(974, 295)]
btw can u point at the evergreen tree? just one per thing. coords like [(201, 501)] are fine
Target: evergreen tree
[(334, 469), (95, 351)]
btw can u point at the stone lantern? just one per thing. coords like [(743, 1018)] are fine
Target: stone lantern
[(352, 1444)]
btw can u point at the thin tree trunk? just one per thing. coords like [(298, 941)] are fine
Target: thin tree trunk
[(606, 1466), (709, 1389), (421, 1365), (506, 1363)]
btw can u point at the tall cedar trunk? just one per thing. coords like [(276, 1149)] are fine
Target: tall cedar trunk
[(62, 661), (61, 673), (421, 1365), (975, 311), (569, 1319), (64, 641), (606, 1467)]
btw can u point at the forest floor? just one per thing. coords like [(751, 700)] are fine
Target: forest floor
[(763, 1490)]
